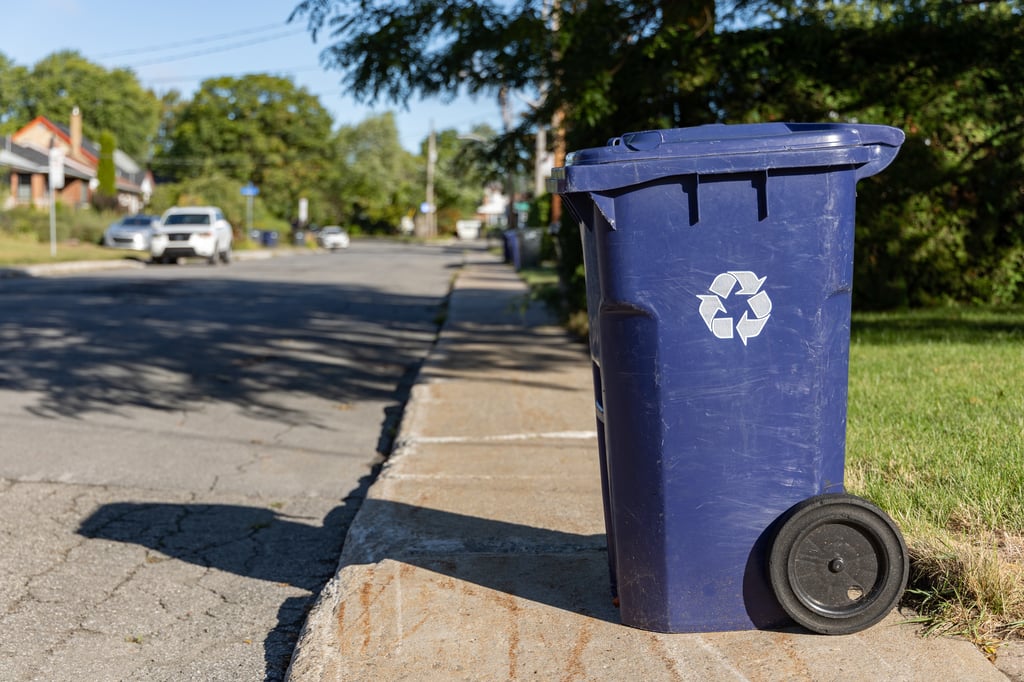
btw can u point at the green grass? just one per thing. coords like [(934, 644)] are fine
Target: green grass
[(936, 416), (25, 237), (28, 250), (936, 437)]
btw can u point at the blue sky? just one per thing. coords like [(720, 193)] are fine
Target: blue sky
[(177, 44)]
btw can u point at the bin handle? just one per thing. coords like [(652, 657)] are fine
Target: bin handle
[(883, 150), (606, 205), (570, 204), (645, 140)]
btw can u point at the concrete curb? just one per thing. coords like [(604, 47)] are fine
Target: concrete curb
[(68, 268)]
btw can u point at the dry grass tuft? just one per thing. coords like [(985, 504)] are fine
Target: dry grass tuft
[(970, 584)]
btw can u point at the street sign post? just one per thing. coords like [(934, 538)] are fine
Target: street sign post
[(56, 180), (249, 191), (56, 168)]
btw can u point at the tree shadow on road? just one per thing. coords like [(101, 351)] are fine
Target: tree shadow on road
[(173, 343), (251, 542), (262, 544)]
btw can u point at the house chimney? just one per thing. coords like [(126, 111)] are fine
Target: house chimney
[(76, 133)]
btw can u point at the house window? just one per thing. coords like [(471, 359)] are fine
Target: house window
[(24, 188)]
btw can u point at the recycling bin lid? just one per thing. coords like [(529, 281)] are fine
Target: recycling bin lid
[(720, 148)]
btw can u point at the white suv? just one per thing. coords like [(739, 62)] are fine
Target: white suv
[(192, 231)]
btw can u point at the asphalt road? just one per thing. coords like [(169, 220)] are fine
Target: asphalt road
[(183, 447)]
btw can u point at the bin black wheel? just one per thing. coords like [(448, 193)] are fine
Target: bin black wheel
[(838, 564)]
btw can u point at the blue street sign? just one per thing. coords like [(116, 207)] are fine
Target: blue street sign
[(250, 190)]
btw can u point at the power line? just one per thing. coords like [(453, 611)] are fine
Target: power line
[(189, 79), (185, 43), (214, 50)]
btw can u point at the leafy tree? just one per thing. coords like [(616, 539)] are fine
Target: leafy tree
[(12, 82), (573, 53), (377, 180), (112, 100), (463, 168), (944, 222), (105, 196), (106, 171), (171, 106), (217, 190), (589, 64), (260, 128)]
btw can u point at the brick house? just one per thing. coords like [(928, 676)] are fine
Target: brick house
[(24, 157)]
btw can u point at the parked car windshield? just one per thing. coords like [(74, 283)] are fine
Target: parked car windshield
[(188, 219), (137, 220)]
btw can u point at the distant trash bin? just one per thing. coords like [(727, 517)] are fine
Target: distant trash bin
[(522, 247), (269, 238), (510, 247), (528, 247), (719, 271)]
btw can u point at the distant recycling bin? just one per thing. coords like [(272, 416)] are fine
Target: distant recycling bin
[(509, 245), (269, 238), (719, 268), (522, 247), (528, 247)]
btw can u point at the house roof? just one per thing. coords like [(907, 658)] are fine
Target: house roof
[(26, 158), (89, 148), (128, 169), (76, 169), (30, 158), (19, 158)]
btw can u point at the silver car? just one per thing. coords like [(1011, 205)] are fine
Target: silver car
[(134, 232)]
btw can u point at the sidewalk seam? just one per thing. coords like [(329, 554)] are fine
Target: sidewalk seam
[(505, 437)]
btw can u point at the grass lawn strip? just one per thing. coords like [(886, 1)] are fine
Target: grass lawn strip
[(936, 438)]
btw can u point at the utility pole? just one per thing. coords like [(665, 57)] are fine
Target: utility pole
[(540, 155), (430, 219), (511, 217), (554, 14)]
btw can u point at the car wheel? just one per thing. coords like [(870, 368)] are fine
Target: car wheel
[(225, 256)]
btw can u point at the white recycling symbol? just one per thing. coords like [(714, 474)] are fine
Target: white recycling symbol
[(755, 315)]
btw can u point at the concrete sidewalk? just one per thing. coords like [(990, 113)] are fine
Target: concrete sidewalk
[(479, 553)]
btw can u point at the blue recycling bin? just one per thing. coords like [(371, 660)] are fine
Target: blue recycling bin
[(511, 247), (269, 238), (522, 247), (719, 268)]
